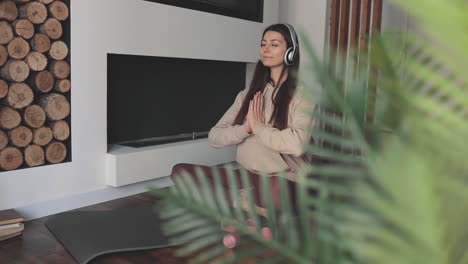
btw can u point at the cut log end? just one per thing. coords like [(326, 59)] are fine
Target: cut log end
[(59, 10), (21, 136), (20, 95), (42, 136), (23, 28), (60, 130), (36, 61), (43, 81), (56, 106), (9, 118), (34, 116), (15, 70), (40, 43), (34, 155), (62, 86), (3, 88), (58, 50), (4, 139), (56, 152), (3, 55), (6, 32), (8, 10), (60, 69), (35, 12), (11, 158), (18, 48), (52, 28)]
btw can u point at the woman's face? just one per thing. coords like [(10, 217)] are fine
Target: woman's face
[(272, 49)]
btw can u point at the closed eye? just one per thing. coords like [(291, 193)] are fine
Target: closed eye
[(274, 45)]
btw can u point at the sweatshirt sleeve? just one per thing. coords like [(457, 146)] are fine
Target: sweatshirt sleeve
[(292, 139), (224, 134)]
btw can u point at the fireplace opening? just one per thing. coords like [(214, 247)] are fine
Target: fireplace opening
[(157, 100)]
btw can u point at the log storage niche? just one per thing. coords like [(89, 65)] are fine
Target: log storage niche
[(35, 84)]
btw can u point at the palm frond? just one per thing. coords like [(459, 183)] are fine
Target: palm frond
[(390, 191), (204, 209), (445, 23)]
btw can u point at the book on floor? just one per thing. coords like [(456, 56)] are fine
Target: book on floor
[(12, 230), (10, 236), (10, 216), (9, 226)]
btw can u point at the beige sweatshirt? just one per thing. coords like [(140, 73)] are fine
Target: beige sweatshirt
[(260, 151)]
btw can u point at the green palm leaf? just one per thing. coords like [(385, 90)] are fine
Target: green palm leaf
[(391, 191), (204, 209)]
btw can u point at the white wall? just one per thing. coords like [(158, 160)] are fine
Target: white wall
[(308, 16), (394, 18), (129, 27)]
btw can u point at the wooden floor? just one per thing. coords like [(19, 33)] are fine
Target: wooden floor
[(38, 246)]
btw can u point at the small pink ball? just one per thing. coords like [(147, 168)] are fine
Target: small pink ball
[(229, 241), (266, 231)]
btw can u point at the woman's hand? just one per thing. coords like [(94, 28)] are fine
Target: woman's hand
[(256, 111), (248, 127)]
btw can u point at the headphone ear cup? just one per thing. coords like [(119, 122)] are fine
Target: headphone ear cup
[(288, 56)]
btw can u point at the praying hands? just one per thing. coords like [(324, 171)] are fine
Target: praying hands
[(255, 115)]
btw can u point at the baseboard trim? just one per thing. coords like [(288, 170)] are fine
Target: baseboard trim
[(46, 208)]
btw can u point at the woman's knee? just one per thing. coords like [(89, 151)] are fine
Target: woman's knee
[(179, 168)]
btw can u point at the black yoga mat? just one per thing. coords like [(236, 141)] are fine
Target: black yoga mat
[(88, 234)]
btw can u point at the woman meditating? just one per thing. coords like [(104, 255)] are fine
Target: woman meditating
[(269, 121)]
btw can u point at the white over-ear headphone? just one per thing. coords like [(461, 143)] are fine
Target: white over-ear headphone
[(291, 52)]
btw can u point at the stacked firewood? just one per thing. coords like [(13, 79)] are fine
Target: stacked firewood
[(34, 83)]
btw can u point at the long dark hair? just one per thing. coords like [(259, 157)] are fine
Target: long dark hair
[(285, 91)]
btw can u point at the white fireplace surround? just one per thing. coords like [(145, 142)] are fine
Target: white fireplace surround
[(193, 34), (127, 165)]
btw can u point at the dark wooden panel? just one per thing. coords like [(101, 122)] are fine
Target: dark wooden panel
[(344, 25), (334, 20), (355, 22), (365, 24), (377, 15)]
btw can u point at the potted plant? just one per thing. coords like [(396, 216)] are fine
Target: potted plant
[(398, 197)]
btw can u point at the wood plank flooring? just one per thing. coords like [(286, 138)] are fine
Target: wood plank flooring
[(38, 246)]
